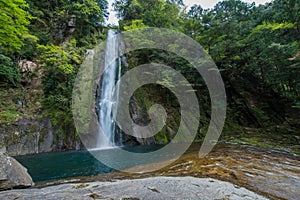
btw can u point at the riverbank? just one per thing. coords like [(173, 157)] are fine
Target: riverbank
[(148, 188), (268, 172), (282, 137)]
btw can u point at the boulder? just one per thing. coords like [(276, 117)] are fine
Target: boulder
[(2, 150), (27, 66), (13, 174)]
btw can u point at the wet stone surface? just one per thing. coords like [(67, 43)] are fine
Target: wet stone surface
[(148, 188), (268, 172)]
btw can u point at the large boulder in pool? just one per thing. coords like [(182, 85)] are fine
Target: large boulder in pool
[(13, 174)]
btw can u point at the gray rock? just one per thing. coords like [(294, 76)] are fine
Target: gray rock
[(33, 137), (2, 150), (27, 66), (139, 116), (149, 188), (13, 174), (45, 145)]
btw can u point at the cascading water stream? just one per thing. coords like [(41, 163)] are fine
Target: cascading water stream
[(109, 135)]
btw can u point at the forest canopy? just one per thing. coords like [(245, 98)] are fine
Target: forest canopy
[(256, 48)]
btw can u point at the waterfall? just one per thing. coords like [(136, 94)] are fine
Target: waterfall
[(109, 134)]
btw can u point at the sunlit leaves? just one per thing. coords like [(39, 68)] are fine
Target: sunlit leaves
[(155, 13), (13, 27), (134, 25), (9, 72)]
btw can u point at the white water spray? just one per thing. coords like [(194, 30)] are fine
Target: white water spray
[(109, 135)]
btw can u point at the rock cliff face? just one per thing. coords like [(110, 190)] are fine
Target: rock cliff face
[(139, 116), (29, 137), (25, 127), (13, 174)]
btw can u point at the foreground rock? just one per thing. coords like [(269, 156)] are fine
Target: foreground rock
[(13, 174), (149, 188)]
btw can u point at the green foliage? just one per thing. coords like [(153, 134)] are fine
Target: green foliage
[(10, 112), (135, 24), (9, 116), (57, 60), (273, 26), (9, 72), (55, 34), (89, 18), (52, 22), (254, 45), (243, 39), (60, 65), (14, 21), (155, 13)]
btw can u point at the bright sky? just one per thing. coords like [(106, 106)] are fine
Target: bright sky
[(204, 3)]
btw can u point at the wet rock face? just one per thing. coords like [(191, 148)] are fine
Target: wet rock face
[(149, 188), (13, 174), (139, 116), (27, 130), (29, 137)]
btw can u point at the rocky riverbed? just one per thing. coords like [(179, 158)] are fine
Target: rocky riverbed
[(268, 172), (230, 171), (147, 188)]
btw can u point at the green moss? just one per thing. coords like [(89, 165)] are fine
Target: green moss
[(267, 138), (260, 114), (162, 136), (296, 151), (81, 186), (9, 116)]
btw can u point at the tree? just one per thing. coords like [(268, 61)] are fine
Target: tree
[(155, 13), (51, 22), (14, 24), (60, 65)]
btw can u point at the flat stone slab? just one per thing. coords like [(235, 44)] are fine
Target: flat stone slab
[(148, 188)]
